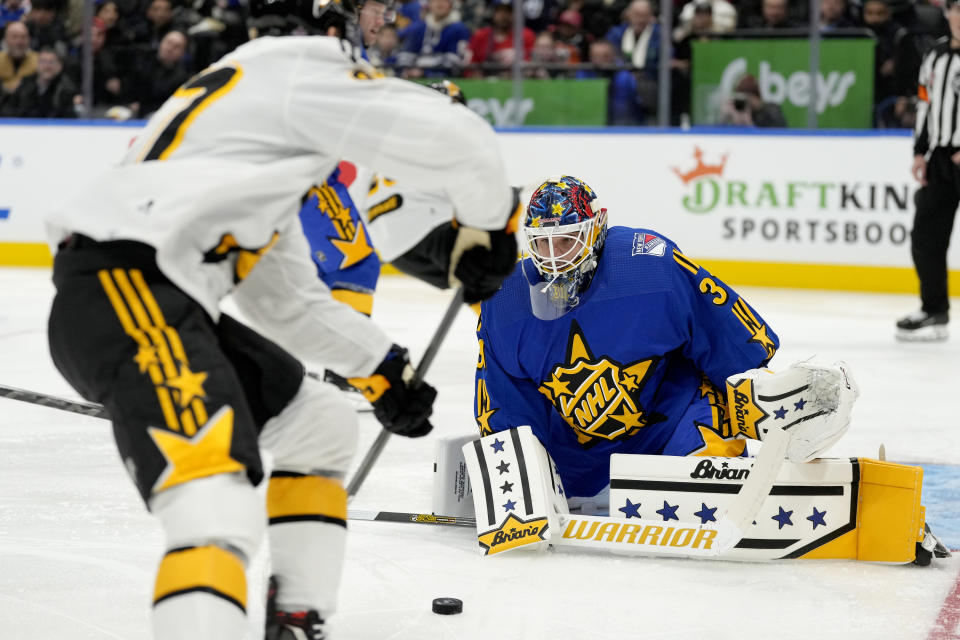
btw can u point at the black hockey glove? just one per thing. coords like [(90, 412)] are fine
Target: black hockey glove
[(483, 259), (400, 408)]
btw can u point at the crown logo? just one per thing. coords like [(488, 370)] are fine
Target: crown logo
[(701, 170)]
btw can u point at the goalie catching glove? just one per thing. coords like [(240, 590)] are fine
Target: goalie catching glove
[(480, 260), (810, 402), (401, 408)]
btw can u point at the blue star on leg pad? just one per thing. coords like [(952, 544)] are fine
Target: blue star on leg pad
[(783, 518), (706, 514), (668, 512), (631, 509), (817, 518), (497, 445)]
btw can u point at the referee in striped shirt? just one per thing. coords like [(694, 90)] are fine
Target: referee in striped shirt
[(936, 165)]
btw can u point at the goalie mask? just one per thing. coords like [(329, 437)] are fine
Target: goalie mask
[(564, 230)]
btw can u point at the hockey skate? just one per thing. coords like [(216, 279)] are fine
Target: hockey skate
[(923, 327), (300, 625)]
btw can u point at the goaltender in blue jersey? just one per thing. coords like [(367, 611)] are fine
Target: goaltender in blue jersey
[(611, 342)]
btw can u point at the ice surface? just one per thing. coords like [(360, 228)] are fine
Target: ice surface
[(78, 551)]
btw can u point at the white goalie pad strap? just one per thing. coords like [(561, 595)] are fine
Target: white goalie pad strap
[(808, 506), (810, 402), (452, 491), (517, 494)]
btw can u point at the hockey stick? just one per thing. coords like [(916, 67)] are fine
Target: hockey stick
[(377, 447), (413, 518), (54, 402)]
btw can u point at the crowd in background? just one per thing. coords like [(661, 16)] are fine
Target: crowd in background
[(144, 49)]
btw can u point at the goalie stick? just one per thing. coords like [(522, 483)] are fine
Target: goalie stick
[(377, 447)]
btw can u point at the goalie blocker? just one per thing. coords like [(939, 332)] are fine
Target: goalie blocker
[(831, 508)]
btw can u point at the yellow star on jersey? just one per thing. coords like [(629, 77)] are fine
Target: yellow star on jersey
[(353, 250), (205, 454), (630, 419), (760, 336), (630, 383), (146, 356), (484, 410), (189, 384), (556, 386), (706, 388)]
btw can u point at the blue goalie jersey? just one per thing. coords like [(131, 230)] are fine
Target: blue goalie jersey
[(339, 243), (639, 366)]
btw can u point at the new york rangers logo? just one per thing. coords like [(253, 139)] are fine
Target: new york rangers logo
[(647, 244)]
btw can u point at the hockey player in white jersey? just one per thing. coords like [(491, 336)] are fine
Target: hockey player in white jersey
[(204, 204)]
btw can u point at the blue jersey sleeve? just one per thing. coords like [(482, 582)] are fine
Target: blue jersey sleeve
[(503, 398), (339, 244), (726, 335)]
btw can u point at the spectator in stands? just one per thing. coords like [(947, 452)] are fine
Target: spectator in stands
[(437, 45), (46, 29), (567, 32), (876, 17), (638, 37), (723, 17), (924, 25), (17, 60), (700, 27), (158, 22), (383, 53), (773, 15), (540, 15), (108, 84), (159, 75), (625, 105), (372, 18), (11, 11), (494, 43), (547, 55), (747, 109), (835, 15), (109, 14), (46, 94)]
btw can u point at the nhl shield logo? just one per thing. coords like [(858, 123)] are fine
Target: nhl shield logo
[(598, 397), (647, 244)]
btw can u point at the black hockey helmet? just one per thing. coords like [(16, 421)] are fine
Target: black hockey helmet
[(450, 89), (307, 17)]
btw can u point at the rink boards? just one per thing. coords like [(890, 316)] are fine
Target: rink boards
[(828, 210)]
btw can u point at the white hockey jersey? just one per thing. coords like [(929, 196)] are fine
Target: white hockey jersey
[(223, 165), (398, 217)]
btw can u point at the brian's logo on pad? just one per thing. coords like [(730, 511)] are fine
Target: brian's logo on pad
[(513, 533), (647, 244)]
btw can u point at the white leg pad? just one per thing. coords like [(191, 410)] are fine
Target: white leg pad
[(452, 491), (315, 434), (517, 494)]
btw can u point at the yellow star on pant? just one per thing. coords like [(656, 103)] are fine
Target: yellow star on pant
[(205, 454), (189, 384), (353, 250), (146, 356)]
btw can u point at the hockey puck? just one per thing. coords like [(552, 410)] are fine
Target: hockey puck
[(447, 606)]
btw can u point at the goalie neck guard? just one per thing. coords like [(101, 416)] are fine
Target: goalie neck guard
[(564, 229)]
